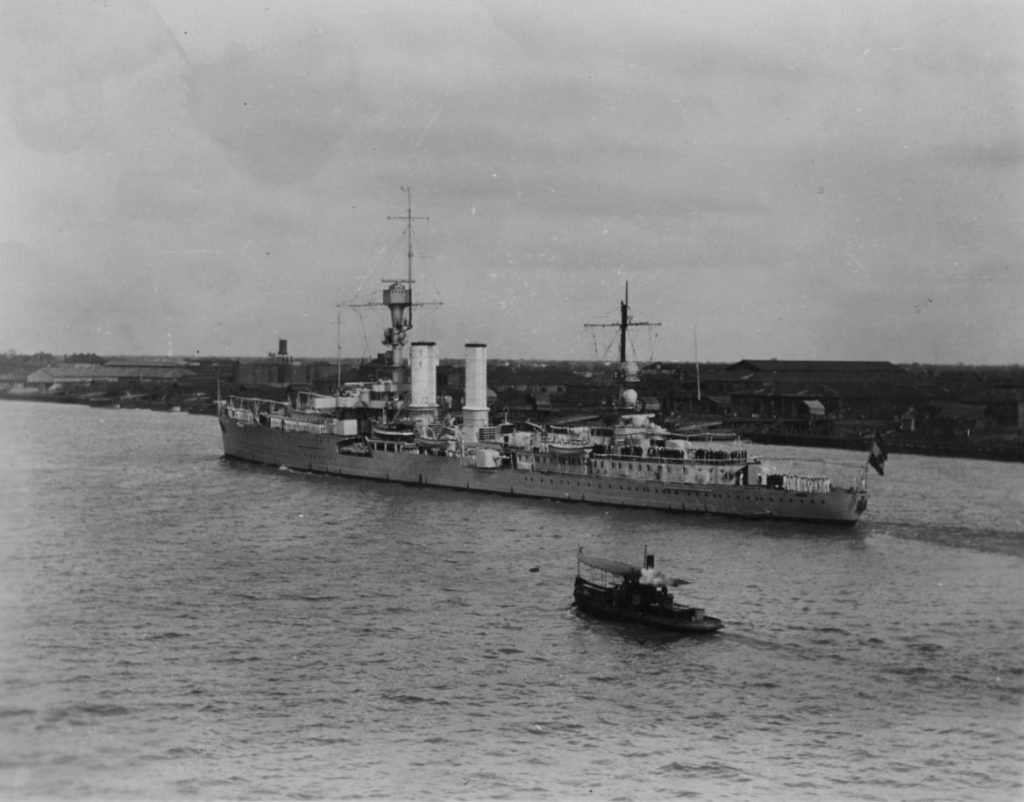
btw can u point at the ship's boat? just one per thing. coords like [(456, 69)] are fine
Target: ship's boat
[(394, 433), (437, 438), (575, 448), (569, 441), (624, 592), (394, 429)]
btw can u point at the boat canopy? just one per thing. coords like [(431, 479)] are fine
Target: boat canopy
[(611, 566)]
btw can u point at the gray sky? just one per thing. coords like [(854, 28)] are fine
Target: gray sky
[(801, 180)]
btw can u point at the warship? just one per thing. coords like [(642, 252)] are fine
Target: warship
[(393, 429)]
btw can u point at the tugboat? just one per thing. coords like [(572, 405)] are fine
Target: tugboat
[(624, 592)]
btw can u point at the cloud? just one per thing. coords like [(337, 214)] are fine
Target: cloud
[(227, 170), (57, 60), (997, 155), (282, 112)]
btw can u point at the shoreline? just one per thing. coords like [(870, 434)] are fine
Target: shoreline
[(1006, 451)]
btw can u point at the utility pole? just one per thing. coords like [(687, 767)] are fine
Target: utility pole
[(696, 360), (339, 347)]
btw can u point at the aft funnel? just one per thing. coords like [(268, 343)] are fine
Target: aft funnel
[(474, 410)]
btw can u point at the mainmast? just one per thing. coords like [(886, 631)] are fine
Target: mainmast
[(628, 372), (623, 326)]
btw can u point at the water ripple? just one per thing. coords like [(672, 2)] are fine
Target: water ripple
[(176, 625)]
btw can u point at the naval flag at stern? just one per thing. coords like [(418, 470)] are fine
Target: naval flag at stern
[(878, 454)]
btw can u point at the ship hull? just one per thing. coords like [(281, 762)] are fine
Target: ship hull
[(324, 453), (600, 604)]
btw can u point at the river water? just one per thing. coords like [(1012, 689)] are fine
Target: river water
[(174, 625)]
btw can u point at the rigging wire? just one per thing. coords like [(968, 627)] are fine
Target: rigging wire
[(366, 341), (601, 357)]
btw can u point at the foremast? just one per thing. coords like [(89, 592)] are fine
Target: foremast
[(398, 299)]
